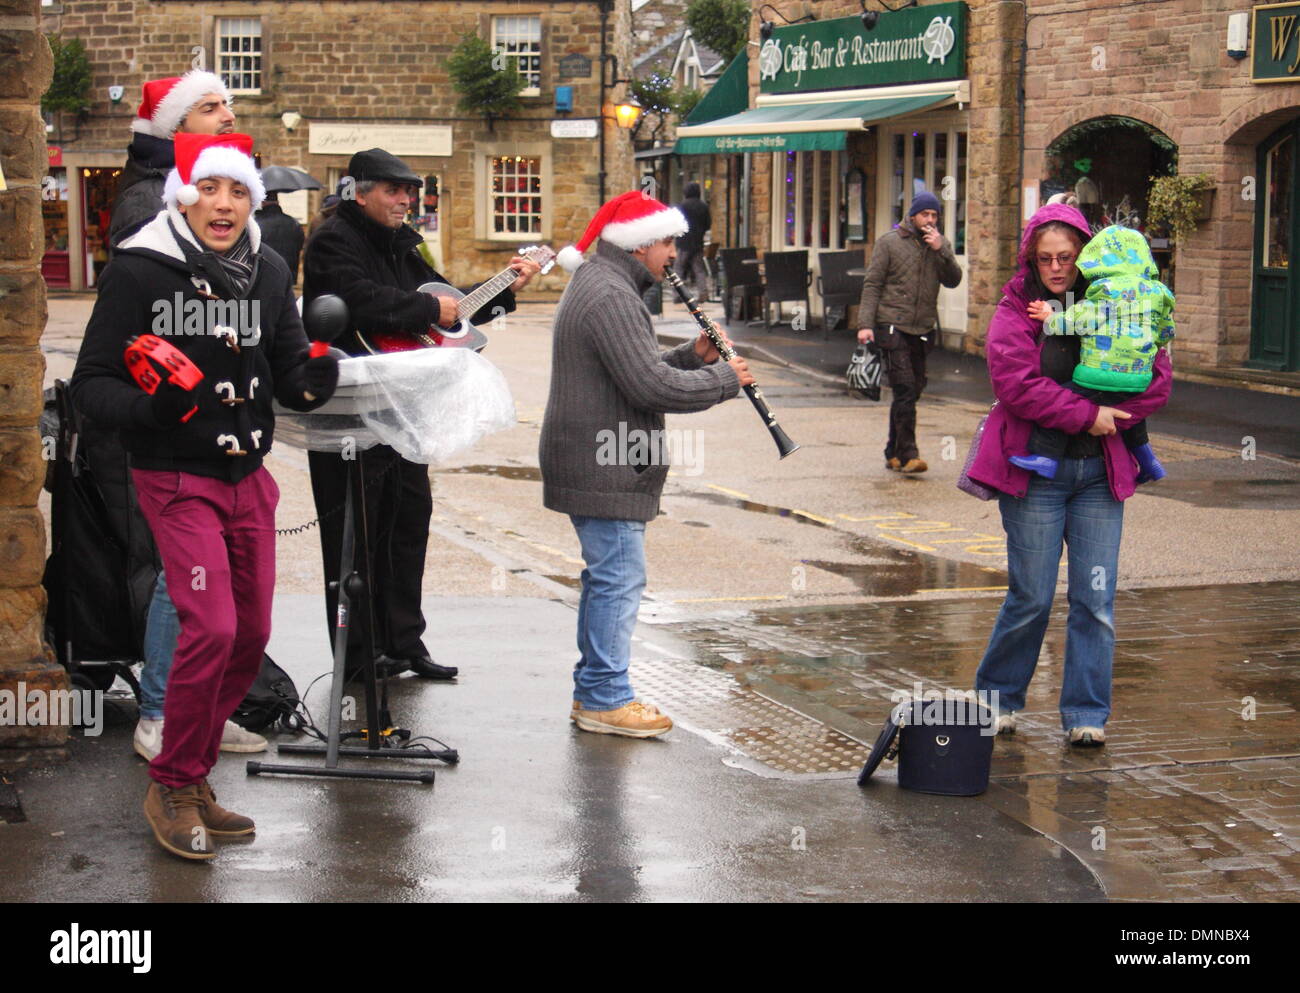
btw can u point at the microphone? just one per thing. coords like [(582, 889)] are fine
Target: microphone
[(326, 318)]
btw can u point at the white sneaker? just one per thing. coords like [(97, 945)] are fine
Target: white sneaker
[(237, 739), (1087, 737), (1007, 723), (147, 739)]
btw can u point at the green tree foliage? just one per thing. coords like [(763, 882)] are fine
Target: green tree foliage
[(488, 82), (654, 93), (70, 88), (722, 25), (684, 101)]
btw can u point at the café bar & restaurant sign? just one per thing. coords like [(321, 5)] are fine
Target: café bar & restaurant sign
[(912, 45), (1275, 35)]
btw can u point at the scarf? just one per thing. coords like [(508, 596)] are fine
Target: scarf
[(238, 264)]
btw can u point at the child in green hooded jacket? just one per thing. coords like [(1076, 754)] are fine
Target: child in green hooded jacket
[(1125, 318)]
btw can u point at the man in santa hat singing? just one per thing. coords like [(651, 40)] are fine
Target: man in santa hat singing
[(196, 453), (196, 103), (610, 381)]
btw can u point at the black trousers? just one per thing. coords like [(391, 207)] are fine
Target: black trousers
[(399, 504), (1052, 442), (904, 357)]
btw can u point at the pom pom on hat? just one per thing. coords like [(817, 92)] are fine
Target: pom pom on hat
[(204, 156), (629, 221)]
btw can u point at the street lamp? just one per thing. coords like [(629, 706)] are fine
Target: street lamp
[(765, 28), (627, 113)]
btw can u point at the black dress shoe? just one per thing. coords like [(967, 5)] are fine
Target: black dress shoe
[(426, 668)]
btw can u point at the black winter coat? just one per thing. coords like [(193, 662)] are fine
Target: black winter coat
[(139, 293), (139, 192), (377, 271), (700, 220), (284, 234)]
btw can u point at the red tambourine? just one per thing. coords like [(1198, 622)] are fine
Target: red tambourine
[(145, 350)]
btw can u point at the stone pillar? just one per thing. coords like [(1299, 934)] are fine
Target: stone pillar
[(24, 75)]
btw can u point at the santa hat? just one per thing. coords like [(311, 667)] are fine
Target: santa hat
[(629, 221), (202, 156), (167, 101)]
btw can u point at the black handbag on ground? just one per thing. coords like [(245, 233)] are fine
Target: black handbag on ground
[(943, 746), (272, 699)]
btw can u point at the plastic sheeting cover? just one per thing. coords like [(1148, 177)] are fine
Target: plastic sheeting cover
[(428, 405)]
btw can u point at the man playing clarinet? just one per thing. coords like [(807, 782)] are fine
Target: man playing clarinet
[(368, 255), (607, 372)]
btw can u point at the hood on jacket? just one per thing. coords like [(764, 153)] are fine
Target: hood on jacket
[(1015, 287), (156, 237), (692, 190), (148, 152), (1117, 251)]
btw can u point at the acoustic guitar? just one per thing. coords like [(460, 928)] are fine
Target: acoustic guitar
[(462, 334)]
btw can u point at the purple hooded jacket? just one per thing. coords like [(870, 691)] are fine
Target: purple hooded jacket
[(1027, 397)]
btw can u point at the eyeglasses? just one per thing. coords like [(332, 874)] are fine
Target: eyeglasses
[(1064, 260)]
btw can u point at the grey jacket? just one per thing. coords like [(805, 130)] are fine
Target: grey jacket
[(902, 284), (610, 387)]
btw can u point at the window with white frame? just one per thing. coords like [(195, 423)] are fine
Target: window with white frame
[(239, 53), (515, 196), (520, 38)]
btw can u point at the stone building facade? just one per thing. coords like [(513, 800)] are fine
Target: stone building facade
[(24, 666), (1103, 85), (361, 74)]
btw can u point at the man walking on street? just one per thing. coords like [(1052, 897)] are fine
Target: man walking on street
[(690, 246), (609, 382), (899, 312)]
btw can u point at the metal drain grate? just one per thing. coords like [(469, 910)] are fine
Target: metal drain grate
[(759, 728)]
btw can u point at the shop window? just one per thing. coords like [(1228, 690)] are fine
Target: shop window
[(811, 201), (239, 53), (520, 38), (933, 161), (516, 199), (1277, 208)]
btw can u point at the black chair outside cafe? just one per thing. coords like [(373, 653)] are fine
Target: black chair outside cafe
[(836, 287), (786, 279), (740, 280)]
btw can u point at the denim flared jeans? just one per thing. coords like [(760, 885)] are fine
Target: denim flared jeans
[(1077, 509)]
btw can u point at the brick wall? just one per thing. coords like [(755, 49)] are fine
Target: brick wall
[(24, 76), (379, 63), (1169, 68)]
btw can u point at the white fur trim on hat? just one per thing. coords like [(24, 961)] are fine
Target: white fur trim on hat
[(215, 161), (630, 235), (180, 99), (569, 258)]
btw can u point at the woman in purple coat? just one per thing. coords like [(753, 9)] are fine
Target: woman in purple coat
[(1082, 507)]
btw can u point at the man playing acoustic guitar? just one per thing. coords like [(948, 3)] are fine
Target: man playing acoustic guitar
[(368, 255)]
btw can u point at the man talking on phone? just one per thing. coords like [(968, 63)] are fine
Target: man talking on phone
[(899, 313)]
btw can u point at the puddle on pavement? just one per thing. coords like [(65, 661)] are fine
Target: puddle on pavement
[(1232, 494), (530, 473), (887, 571), (573, 582)]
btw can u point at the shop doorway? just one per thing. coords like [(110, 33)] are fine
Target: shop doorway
[(98, 191), (1274, 325)]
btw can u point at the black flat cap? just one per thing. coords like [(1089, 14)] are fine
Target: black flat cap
[(375, 163)]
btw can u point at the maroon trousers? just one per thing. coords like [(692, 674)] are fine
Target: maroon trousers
[(217, 542)]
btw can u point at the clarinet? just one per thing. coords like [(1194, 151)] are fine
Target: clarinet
[(783, 443)]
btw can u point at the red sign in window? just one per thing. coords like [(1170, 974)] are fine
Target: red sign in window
[(55, 153)]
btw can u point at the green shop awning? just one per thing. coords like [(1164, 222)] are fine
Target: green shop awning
[(728, 96), (796, 126)]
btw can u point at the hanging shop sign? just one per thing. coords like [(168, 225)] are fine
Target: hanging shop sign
[(1275, 35), (912, 45)]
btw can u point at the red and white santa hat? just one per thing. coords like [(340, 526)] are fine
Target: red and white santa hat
[(629, 221), (202, 156), (167, 101)]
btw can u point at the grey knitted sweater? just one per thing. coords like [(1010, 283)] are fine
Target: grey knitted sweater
[(610, 387)]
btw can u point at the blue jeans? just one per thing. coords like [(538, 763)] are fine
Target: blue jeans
[(161, 630), (1076, 507), (614, 552)]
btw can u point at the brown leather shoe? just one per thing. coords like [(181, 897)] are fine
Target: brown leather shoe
[(893, 465), (633, 720), (220, 822), (914, 465), (173, 814)]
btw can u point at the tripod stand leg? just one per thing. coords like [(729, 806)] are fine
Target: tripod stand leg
[(341, 623)]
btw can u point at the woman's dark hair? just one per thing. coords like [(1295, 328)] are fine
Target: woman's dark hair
[(1034, 288)]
